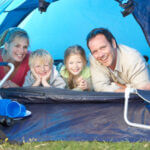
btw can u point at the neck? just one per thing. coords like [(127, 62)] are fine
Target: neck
[(112, 67), (5, 59)]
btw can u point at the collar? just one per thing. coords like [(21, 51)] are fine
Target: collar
[(118, 63)]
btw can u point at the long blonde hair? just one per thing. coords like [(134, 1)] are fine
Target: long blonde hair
[(9, 35), (76, 49)]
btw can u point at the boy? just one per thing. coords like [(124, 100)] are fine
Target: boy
[(42, 72)]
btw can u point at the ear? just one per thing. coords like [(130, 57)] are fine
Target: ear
[(114, 43), (6, 46)]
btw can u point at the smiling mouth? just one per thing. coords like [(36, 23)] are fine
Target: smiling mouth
[(76, 70), (20, 55)]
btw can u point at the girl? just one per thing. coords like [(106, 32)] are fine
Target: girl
[(15, 42), (75, 72), (42, 72)]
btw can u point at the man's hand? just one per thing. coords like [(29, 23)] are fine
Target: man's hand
[(122, 87)]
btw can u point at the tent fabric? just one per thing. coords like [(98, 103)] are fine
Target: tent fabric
[(59, 114), (4, 4), (22, 11), (141, 13), (34, 95), (62, 117)]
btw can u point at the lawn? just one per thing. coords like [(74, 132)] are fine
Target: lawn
[(72, 145)]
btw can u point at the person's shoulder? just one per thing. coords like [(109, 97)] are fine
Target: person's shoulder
[(63, 71), (130, 52), (86, 72), (127, 49), (130, 56)]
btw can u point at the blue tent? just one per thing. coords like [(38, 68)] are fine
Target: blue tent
[(69, 115), (67, 23)]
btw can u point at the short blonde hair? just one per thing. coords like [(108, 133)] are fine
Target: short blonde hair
[(41, 56)]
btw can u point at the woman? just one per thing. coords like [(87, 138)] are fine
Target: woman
[(15, 42)]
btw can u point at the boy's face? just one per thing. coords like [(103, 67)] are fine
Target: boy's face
[(42, 68)]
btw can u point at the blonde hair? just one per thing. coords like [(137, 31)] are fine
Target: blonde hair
[(9, 35), (77, 50), (41, 56)]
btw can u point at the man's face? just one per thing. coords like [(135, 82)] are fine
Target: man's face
[(103, 51)]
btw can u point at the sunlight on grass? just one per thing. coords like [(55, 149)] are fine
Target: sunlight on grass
[(72, 145)]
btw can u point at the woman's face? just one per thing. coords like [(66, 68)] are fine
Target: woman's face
[(17, 49), (75, 64)]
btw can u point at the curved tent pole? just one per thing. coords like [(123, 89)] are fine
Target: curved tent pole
[(4, 4), (127, 96), (8, 73), (21, 12), (140, 12)]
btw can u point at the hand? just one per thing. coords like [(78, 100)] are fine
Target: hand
[(122, 87), (8, 84), (82, 84), (37, 78), (45, 79)]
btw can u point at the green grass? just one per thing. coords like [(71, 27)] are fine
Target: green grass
[(64, 145)]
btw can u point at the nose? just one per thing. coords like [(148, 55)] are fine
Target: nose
[(43, 68), (100, 55), (75, 65), (21, 49)]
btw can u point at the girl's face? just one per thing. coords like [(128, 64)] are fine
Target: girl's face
[(42, 68), (17, 49), (75, 64)]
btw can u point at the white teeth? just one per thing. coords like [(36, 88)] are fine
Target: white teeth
[(19, 55)]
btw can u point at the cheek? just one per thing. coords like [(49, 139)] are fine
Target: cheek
[(81, 66), (69, 67), (47, 68), (36, 70)]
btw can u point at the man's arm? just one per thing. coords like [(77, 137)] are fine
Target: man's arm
[(101, 78)]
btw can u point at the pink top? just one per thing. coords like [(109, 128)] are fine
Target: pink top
[(21, 72)]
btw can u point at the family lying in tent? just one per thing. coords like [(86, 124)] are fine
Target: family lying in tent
[(112, 67)]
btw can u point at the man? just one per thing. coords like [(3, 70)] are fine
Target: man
[(114, 67)]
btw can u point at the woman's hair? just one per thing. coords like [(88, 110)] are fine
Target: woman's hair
[(41, 56), (77, 50), (10, 34)]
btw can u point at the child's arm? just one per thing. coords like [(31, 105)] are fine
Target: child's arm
[(45, 79), (56, 79), (36, 77)]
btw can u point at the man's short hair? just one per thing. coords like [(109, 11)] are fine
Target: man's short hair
[(108, 35)]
